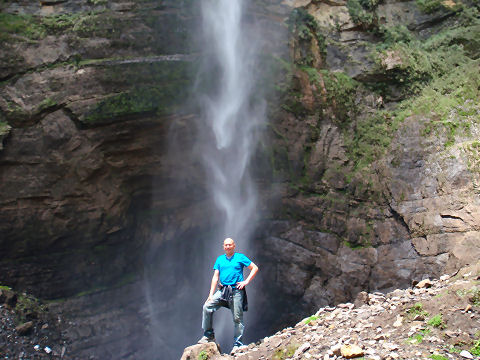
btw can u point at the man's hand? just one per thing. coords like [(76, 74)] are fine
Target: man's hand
[(253, 271), (208, 299), (242, 284)]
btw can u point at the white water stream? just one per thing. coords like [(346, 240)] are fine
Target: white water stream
[(231, 117), (180, 259), (231, 120)]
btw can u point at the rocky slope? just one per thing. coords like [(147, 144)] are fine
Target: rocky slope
[(436, 319)]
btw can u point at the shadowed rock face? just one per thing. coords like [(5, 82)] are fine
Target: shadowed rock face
[(100, 132)]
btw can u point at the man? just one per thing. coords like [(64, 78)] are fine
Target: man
[(228, 274)]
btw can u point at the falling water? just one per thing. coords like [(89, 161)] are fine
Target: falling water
[(179, 264), (231, 115), (230, 124)]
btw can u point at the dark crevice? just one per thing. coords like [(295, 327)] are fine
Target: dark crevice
[(72, 116), (305, 248), (42, 67), (399, 219), (432, 22), (451, 217)]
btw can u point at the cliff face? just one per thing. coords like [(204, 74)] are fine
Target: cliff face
[(89, 91), (375, 149), (370, 171)]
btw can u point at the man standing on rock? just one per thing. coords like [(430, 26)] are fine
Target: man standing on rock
[(228, 275)]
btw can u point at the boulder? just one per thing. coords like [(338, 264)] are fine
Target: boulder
[(195, 351)]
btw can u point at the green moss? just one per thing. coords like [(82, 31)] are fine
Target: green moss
[(437, 321), (285, 353), (438, 357), (31, 28), (429, 6), (4, 128), (28, 306), (310, 319), (47, 103), (15, 26), (165, 86), (203, 355), (416, 310)]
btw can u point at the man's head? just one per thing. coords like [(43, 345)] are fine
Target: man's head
[(229, 246)]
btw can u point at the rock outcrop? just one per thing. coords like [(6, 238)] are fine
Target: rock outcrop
[(415, 323)]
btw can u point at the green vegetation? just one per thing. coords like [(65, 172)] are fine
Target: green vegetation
[(454, 349), (340, 92), (475, 297), (20, 26), (475, 349), (3, 287), (438, 357), (415, 339), (363, 13), (164, 87), (310, 319), (31, 28), (285, 353), (418, 338), (416, 310), (437, 322), (4, 129), (371, 139), (472, 151), (394, 35), (47, 103), (430, 6), (305, 29), (27, 307), (203, 355)]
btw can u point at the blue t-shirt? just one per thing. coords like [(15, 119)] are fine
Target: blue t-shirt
[(231, 269)]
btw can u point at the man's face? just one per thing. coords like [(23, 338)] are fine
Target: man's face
[(229, 247)]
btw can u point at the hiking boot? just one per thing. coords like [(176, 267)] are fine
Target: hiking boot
[(205, 339)]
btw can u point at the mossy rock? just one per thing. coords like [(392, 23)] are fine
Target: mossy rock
[(162, 88)]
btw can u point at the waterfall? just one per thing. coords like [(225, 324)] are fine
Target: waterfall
[(231, 117), (180, 258), (229, 128)]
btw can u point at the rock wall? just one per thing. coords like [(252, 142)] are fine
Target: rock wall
[(373, 196)]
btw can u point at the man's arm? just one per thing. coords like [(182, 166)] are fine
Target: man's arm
[(253, 271), (213, 286)]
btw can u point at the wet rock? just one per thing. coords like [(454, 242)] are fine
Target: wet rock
[(8, 297), (24, 329)]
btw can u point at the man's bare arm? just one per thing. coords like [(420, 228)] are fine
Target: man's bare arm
[(253, 272), (213, 286)]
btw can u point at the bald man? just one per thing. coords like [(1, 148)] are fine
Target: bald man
[(228, 287)]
